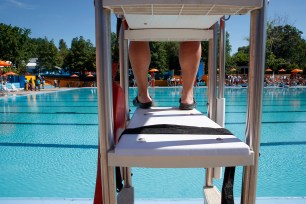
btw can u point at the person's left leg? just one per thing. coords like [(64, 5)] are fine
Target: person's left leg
[(190, 54)]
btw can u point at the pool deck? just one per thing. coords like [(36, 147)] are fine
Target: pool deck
[(23, 92), (261, 200)]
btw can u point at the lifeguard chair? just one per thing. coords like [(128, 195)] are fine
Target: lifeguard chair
[(214, 147)]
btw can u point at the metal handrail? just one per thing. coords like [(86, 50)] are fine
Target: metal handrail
[(254, 111), (105, 99)]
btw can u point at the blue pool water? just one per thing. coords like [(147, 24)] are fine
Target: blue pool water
[(48, 145)]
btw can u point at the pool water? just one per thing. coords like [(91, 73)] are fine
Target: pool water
[(48, 145)]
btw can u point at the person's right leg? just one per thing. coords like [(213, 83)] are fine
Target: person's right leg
[(140, 57)]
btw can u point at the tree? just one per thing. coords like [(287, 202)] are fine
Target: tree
[(15, 45), (62, 53), (115, 47), (158, 56), (285, 46), (286, 42), (228, 60), (275, 63), (46, 52), (172, 50), (81, 56), (241, 58)]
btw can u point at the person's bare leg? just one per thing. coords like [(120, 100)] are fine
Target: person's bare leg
[(140, 57), (190, 54)]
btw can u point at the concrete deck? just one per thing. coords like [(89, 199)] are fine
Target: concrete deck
[(261, 200), (23, 92)]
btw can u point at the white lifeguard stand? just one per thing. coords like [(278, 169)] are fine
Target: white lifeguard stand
[(178, 20)]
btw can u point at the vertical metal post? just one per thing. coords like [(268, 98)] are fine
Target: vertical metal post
[(212, 73), (124, 83), (209, 177), (105, 99), (124, 63), (256, 78), (126, 68), (220, 103), (220, 115), (212, 88), (222, 58)]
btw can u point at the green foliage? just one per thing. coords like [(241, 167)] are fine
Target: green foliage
[(286, 42), (46, 52), (228, 60), (204, 55), (115, 47), (285, 48), (241, 58), (62, 54), (18, 47), (81, 56), (159, 56), (275, 63), (172, 51), (15, 45)]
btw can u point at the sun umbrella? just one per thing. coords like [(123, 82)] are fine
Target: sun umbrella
[(269, 70), (296, 70), (282, 70), (233, 70), (153, 70), (5, 64), (90, 75), (74, 75), (9, 73)]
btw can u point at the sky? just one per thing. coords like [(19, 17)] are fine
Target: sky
[(67, 19)]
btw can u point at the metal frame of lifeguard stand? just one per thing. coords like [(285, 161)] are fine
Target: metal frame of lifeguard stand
[(105, 105)]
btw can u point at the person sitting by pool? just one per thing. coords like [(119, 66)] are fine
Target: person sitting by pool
[(31, 84), (140, 57)]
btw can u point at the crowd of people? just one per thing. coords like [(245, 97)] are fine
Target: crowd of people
[(269, 80), (174, 81), (283, 80), (236, 80), (36, 84)]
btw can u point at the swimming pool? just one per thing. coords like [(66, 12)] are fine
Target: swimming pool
[(48, 145)]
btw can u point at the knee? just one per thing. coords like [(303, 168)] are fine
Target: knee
[(190, 49), (191, 45), (139, 47)]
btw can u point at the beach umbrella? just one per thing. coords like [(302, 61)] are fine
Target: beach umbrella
[(10, 73), (153, 70), (90, 75), (296, 70), (282, 70), (4, 64), (269, 70), (74, 75)]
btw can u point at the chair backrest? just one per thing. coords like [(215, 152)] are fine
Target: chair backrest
[(4, 88), (14, 87)]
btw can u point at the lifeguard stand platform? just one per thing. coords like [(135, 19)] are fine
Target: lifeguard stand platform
[(178, 20)]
